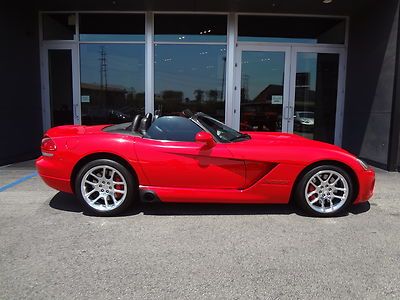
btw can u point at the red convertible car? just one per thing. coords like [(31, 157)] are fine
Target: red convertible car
[(195, 158)]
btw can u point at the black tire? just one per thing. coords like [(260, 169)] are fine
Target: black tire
[(300, 197), (131, 187)]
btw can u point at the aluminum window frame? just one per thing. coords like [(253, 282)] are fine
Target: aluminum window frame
[(286, 80), (45, 79), (341, 49), (231, 60), (341, 83), (346, 18), (229, 52)]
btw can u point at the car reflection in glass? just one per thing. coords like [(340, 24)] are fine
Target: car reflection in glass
[(304, 121)]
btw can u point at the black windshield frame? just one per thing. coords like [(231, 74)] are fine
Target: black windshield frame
[(221, 132)]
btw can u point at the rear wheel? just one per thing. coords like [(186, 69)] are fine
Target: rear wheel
[(105, 187), (325, 191)]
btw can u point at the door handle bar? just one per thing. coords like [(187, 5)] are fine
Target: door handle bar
[(286, 113)]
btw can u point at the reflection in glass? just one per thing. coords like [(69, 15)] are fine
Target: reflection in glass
[(290, 29), (261, 95), (112, 82), (316, 94), (190, 76), (58, 26), (111, 27), (190, 28), (60, 87)]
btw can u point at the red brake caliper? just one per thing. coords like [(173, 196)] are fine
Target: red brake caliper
[(310, 189), (118, 187)]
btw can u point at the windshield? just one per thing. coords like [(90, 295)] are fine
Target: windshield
[(224, 133)]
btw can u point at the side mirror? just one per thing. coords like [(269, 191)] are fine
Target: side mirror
[(205, 137)]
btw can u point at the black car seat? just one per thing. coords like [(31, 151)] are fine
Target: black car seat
[(145, 123), (136, 123), (157, 114)]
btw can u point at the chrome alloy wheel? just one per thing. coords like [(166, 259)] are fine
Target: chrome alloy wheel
[(103, 188), (326, 191)]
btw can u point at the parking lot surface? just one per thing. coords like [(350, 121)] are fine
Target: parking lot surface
[(50, 248)]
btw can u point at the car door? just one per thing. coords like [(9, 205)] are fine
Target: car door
[(186, 163)]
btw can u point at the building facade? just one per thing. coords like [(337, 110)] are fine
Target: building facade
[(326, 70)]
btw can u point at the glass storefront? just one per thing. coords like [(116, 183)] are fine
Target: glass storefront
[(111, 27), (130, 63), (112, 82), (315, 95), (58, 27), (183, 28), (190, 76), (60, 81), (261, 94), (291, 29)]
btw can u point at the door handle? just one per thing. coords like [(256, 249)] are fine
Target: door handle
[(76, 111), (286, 113), (290, 112)]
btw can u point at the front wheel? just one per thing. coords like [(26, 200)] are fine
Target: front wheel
[(325, 191), (105, 187)]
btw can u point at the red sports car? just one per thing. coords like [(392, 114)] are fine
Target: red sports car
[(195, 158)]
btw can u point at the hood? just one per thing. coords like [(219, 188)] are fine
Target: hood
[(276, 146), (286, 139)]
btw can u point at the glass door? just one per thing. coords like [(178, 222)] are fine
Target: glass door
[(296, 89), (61, 105), (316, 93), (262, 90)]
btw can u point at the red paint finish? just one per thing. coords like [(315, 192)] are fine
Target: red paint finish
[(189, 165), (263, 169), (256, 170)]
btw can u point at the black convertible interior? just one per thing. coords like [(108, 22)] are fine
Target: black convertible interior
[(177, 128), (138, 126)]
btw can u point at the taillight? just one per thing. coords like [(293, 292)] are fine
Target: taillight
[(48, 145)]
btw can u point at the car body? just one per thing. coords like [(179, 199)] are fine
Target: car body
[(177, 161)]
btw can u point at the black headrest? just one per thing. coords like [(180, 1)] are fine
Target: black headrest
[(136, 122), (145, 123)]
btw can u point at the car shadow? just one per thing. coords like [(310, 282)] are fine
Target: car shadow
[(67, 202)]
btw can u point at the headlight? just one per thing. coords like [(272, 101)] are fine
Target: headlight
[(363, 164)]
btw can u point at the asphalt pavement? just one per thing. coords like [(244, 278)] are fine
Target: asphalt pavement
[(51, 249)]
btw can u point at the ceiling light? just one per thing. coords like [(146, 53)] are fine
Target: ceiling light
[(327, 1)]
